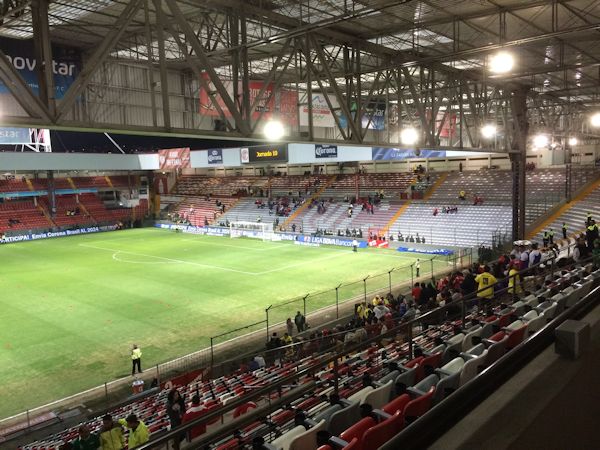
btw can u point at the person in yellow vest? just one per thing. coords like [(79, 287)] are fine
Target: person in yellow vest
[(486, 282), (564, 230), (111, 434), (514, 283), (376, 300), (462, 195), (136, 359), (138, 431)]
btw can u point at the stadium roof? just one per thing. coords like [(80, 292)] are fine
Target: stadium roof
[(406, 49)]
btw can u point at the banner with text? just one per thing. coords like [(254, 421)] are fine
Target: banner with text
[(264, 153), (215, 156), (66, 64), (283, 102), (174, 158), (322, 116), (326, 151), (388, 154)]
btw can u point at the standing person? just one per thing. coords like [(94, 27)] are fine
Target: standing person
[(486, 282), (136, 359), (300, 321), (138, 431), (545, 238), (111, 434), (175, 411), (354, 245), (86, 440), (418, 267), (551, 236), (290, 326), (564, 230)]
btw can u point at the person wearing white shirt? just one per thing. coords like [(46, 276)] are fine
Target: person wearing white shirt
[(354, 245)]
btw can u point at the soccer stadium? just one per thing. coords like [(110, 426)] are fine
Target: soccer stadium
[(299, 225)]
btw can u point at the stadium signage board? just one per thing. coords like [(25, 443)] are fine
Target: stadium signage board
[(264, 153), (14, 136), (66, 64), (388, 154), (215, 156), (53, 234), (326, 151), (430, 251), (174, 158)]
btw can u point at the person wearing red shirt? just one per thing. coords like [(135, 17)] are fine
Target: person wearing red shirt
[(416, 292), (195, 411)]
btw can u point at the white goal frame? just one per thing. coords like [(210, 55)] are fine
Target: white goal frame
[(253, 230)]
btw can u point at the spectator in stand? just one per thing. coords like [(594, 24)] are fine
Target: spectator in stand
[(138, 431), (86, 440), (111, 434), (300, 321), (469, 285), (486, 282), (416, 292), (175, 407), (514, 282), (194, 412), (289, 325)]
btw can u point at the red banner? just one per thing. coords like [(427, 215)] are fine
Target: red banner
[(282, 101), (174, 158)]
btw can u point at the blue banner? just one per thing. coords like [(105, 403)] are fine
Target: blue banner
[(387, 154), (14, 135), (41, 193), (326, 151), (215, 156), (53, 234), (326, 240), (372, 118), (66, 64), (431, 251)]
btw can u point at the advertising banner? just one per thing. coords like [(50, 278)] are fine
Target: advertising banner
[(387, 154), (174, 158), (14, 136), (36, 236), (66, 64), (326, 151), (215, 156), (283, 102), (434, 251), (264, 153), (322, 116), (372, 117)]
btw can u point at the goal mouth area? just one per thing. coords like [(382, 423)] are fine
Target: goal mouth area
[(253, 230)]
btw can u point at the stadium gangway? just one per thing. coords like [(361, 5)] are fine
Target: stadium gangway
[(163, 442)]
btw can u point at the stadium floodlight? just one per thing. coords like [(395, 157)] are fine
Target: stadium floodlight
[(502, 62), (274, 130), (573, 141), (595, 120), (488, 131), (540, 141), (409, 136)]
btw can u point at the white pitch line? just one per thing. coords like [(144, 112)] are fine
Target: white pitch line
[(208, 266)]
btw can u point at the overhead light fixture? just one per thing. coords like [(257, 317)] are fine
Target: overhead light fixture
[(273, 130), (502, 62), (409, 136), (595, 120), (488, 131), (540, 141), (573, 141)]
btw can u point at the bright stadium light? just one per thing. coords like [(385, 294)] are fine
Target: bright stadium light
[(540, 141), (488, 131), (573, 141), (595, 120), (273, 130), (409, 136), (502, 62)]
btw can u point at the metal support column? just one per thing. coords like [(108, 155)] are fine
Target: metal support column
[(518, 159), (43, 53)]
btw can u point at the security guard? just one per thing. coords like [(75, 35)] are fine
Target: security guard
[(136, 359), (564, 230), (551, 236), (545, 238)]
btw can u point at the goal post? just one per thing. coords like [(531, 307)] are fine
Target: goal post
[(253, 230)]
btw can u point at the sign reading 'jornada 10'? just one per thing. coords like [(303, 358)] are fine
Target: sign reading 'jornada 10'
[(264, 153)]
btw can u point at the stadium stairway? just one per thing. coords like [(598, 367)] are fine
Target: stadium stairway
[(108, 180), (308, 201), (574, 213)]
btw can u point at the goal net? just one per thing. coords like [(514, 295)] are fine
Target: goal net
[(254, 230)]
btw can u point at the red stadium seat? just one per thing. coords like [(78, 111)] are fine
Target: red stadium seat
[(419, 406), (498, 336), (358, 430), (398, 404), (243, 409), (378, 435), (515, 337)]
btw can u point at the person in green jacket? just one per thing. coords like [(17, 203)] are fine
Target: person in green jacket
[(136, 359), (111, 434), (86, 440), (138, 431)]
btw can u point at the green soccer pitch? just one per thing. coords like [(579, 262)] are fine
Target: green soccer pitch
[(72, 307)]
